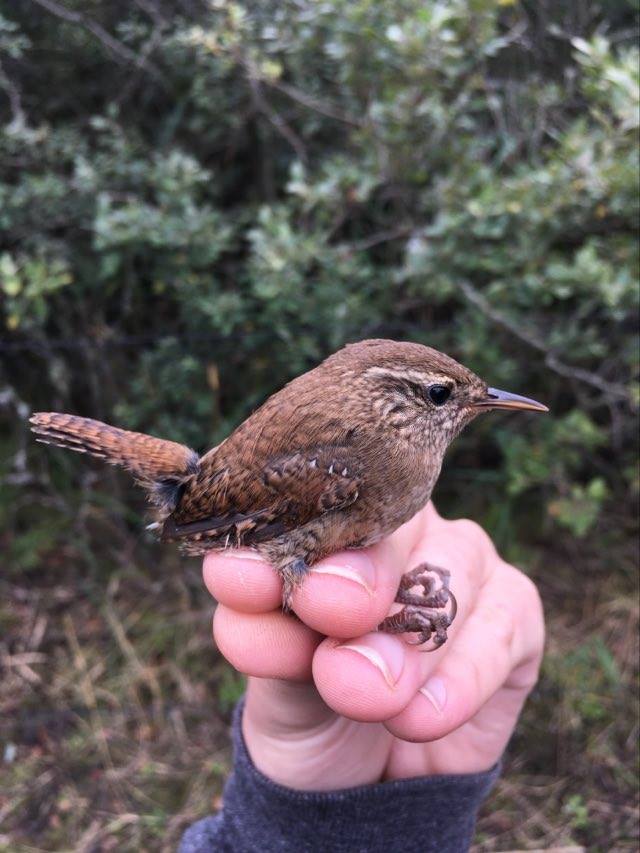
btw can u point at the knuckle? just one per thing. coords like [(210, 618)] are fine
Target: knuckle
[(525, 677), (473, 679), (499, 620), (528, 608), (503, 624), (530, 591), (479, 550), (469, 674), (525, 589), (469, 529)]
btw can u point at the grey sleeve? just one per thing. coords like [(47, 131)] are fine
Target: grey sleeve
[(426, 814)]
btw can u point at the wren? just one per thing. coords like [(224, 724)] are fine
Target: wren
[(338, 458)]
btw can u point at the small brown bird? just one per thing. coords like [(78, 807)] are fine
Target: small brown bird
[(339, 458)]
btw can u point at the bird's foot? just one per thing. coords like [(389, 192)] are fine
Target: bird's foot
[(426, 613), (292, 575)]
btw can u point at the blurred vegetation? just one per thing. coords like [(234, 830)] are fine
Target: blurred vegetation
[(200, 200)]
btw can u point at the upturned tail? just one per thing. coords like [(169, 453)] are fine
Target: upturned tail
[(160, 466)]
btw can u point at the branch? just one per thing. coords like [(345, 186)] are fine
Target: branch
[(276, 119), (308, 101), (113, 45), (314, 104), (15, 100), (378, 238), (611, 390), (154, 40)]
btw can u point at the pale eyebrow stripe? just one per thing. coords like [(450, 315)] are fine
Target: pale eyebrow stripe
[(410, 375)]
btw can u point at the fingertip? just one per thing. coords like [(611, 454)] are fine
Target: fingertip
[(240, 579), (369, 678), (430, 715), (266, 645), (344, 595), (349, 593)]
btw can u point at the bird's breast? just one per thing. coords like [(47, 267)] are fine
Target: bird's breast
[(393, 491)]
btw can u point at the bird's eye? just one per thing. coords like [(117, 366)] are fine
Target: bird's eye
[(439, 394)]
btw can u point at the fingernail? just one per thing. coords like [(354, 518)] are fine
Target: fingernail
[(436, 692), (356, 567), (240, 554), (384, 652)]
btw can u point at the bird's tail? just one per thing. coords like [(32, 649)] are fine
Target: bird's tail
[(158, 465)]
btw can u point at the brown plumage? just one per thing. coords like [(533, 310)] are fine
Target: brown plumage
[(339, 458), (157, 465)]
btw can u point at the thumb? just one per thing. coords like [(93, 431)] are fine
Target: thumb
[(282, 710), (296, 740)]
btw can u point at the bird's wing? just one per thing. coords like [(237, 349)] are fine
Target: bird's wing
[(255, 506), (315, 481)]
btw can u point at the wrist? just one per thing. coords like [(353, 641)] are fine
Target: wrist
[(430, 814)]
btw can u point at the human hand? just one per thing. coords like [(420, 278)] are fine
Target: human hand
[(331, 703)]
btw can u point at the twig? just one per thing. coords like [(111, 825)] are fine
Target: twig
[(552, 850), (611, 390), (154, 40), (153, 11), (145, 673), (15, 99), (308, 101), (312, 103), (87, 692), (23, 658), (380, 237), (275, 118), (112, 44)]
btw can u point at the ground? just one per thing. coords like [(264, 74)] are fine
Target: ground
[(114, 708)]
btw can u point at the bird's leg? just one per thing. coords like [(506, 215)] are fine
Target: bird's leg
[(425, 622), (292, 574), (424, 613), (422, 576)]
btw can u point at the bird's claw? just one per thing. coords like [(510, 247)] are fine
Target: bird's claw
[(423, 614)]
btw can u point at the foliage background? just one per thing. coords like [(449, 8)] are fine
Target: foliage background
[(199, 200)]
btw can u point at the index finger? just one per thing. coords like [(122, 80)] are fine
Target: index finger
[(242, 580), (344, 595)]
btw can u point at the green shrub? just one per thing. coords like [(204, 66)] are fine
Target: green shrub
[(196, 206)]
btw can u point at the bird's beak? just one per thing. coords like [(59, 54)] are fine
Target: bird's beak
[(497, 399)]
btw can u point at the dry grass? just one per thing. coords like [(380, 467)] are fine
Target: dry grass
[(571, 773), (114, 707)]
